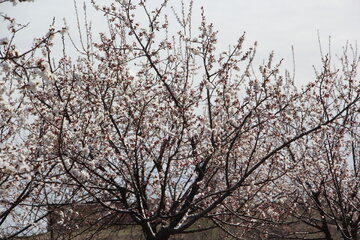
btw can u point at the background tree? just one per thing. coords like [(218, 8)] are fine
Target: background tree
[(325, 193)]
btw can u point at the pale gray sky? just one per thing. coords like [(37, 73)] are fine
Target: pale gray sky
[(275, 24)]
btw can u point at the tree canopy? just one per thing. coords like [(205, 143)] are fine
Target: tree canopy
[(169, 131)]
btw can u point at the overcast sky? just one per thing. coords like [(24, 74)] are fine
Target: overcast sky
[(275, 24)]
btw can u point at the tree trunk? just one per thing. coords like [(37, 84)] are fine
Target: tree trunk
[(158, 237), (161, 235)]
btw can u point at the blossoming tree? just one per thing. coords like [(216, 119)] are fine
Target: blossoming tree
[(324, 195), (21, 172), (167, 130)]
